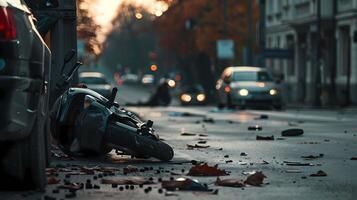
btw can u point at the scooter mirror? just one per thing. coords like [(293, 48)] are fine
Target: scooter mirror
[(67, 58), (69, 55)]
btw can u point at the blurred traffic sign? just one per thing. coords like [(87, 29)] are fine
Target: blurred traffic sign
[(225, 49)]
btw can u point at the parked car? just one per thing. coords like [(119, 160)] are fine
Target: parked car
[(24, 94), (248, 86), (96, 81), (148, 79), (193, 95), (130, 78)]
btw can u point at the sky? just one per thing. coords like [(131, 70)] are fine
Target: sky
[(104, 11)]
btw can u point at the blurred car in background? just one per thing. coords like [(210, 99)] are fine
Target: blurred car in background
[(193, 95), (148, 79), (130, 78), (96, 81), (248, 86)]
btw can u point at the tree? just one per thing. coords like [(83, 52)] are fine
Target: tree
[(189, 27), (190, 30), (131, 40), (87, 28)]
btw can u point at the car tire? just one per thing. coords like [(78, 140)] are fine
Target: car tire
[(23, 163)]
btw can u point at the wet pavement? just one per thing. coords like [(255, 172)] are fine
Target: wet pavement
[(207, 135)]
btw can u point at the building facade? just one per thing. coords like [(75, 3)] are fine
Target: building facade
[(324, 65)]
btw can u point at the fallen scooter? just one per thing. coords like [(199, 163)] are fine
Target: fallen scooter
[(85, 123)]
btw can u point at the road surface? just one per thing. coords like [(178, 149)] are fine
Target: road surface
[(328, 135)]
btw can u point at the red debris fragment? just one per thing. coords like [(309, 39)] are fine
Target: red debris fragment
[(229, 183), (320, 173), (255, 179), (52, 180), (205, 170)]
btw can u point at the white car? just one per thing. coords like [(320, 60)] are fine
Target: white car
[(248, 86)]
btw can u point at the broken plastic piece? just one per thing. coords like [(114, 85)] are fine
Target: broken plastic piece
[(292, 132), (184, 184)]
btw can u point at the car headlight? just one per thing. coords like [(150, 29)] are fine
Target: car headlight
[(273, 92), (186, 98), (171, 83), (107, 87), (243, 92), (201, 97)]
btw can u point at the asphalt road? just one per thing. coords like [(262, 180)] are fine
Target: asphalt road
[(329, 135)]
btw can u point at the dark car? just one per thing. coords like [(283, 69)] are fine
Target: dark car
[(193, 95), (249, 86), (96, 81), (24, 82)]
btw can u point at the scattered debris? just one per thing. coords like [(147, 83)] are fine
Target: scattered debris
[(262, 117), (184, 114), (196, 146), (292, 132), (312, 157), (208, 120), (52, 180), (71, 186), (130, 181), (202, 142), (188, 134), (205, 170), (288, 163), (243, 154), (255, 128), (130, 169), (265, 137), (255, 179), (229, 183), (184, 184), (203, 135), (320, 173), (229, 161)]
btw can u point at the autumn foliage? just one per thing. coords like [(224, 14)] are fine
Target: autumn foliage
[(195, 26)]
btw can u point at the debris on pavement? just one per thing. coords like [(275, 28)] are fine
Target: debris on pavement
[(229, 183), (203, 135), (71, 186), (255, 179), (184, 114), (262, 117), (268, 138), (288, 163), (184, 184), (52, 180), (130, 181), (202, 142), (188, 134), (243, 154), (208, 120), (312, 157), (320, 173), (292, 132), (206, 170), (130, 169), (196, 146), (255, 128)]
